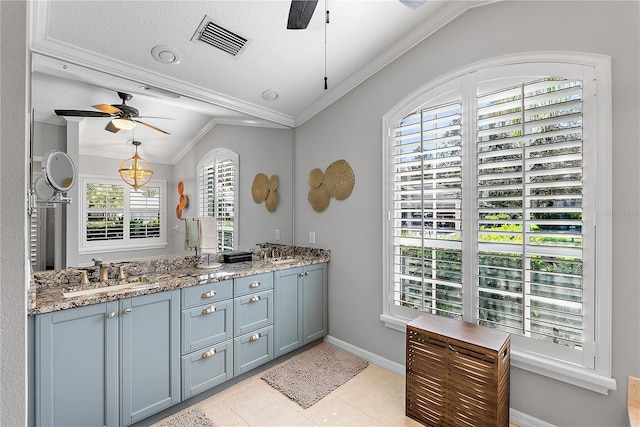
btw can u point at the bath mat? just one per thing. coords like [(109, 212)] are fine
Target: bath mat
[(310, 376), (192, 418)]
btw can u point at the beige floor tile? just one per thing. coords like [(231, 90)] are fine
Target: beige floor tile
[(340, 413), (374, 397), (278, 414), (221, 414), (249, 400)]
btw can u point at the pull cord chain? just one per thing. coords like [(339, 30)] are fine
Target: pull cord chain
[(325, 44)]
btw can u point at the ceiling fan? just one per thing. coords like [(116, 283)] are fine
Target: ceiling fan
[(300, 14), (301, 11), (124, 116)]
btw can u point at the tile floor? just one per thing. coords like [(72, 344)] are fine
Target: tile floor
[(374, 397)]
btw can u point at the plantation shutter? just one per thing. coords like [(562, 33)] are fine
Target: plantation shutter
[(104, 212), (427, 183), (144, 212), (225, 196), (217, 182), (529, 207)]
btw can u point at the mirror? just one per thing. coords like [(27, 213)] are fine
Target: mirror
[(262, 147), (58, 171)]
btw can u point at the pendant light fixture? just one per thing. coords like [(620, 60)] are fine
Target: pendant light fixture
[(136, 171)]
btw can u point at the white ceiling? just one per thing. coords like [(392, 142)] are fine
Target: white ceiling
[(74, 39)]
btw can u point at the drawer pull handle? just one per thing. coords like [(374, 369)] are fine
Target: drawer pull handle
[(127, 311), (254, 337), (254, 298), (111, 315), (208, 310), (209, 353), (209, 294), (254, 284)]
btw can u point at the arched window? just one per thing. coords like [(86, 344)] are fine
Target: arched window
[(217, 194), (497, 190)]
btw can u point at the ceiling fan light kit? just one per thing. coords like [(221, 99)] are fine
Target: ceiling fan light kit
[(123, 124)]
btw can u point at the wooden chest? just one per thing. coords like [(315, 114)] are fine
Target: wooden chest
[(457, 373)]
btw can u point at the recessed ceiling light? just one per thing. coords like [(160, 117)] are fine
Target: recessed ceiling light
[(165, 54), (270, 95)]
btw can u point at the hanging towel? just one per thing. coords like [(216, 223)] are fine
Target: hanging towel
[(207, 236), (191, 234)]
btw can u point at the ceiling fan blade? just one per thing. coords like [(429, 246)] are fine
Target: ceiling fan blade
[(81, 113), (152, 127), (108, 108), (413, 4), (111, 127), (300, 14)]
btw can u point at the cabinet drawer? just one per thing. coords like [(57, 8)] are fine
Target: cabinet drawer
[(207, 293), (206, 325), (251, 350), (250, 284), (206, 368), (252, 312)]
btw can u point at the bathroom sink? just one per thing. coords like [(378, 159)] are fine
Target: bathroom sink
[(124, 287), (285, 261)]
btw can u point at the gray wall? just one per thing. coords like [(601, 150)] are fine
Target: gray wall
[(13, 233), (260, 150), (351, 129)]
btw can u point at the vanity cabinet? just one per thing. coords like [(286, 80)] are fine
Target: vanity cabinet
[(207, 336), (301, 297), (150, 355), (253, 321), (108, 364), (76, 367)]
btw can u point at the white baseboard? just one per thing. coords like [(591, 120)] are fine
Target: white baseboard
[(516, 417), (387, 364)]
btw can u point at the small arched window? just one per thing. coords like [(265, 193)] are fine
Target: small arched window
[(217, 186)]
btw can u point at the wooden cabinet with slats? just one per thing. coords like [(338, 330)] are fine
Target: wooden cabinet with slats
[(457, 373)]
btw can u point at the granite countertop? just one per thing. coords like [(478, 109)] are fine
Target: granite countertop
[(47, 288)]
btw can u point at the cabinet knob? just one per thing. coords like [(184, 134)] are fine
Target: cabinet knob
[(301, 274), (127, 311), (254, 298), (209, 353), (208, 310), (306, 274), (254, 337), (209, 294), (254, 284), (111, 315)]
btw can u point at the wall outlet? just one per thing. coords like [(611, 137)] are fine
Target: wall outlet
[(277, 236), (312, 237)]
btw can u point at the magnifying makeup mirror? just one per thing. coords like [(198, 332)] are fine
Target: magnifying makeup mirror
[(43, 190), (58, 170)]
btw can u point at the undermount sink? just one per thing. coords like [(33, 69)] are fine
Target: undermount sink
[(132, 286), (285, 261)]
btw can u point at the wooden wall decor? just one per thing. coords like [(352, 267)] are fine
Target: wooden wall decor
[(183, 200), (265, 190), (336, 181)]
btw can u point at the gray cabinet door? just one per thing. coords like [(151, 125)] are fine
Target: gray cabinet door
[(314, 302), (76, 367), (150, 354), (287, 323)]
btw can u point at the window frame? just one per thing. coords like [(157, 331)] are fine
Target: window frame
[(127, 243), (213, 156), (599, 378)]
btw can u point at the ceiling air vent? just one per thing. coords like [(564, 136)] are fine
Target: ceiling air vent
[(214, 35)]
